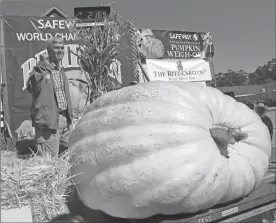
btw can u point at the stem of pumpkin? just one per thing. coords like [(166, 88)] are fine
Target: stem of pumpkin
[(223, 135)]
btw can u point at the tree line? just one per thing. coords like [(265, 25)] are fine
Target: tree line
[(262, 75)]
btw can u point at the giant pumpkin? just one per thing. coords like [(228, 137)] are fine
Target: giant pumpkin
[(167, 148), (152, 48)]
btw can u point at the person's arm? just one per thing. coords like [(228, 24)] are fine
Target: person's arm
[(69, 101), (267, 121), (270, 127), (30, 83), (36, 78)]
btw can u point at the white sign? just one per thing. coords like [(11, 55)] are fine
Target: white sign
[(23, 214), (178, 70), (230, 211)]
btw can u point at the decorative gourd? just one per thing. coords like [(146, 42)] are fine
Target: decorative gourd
[(152, 48), (167, 148)]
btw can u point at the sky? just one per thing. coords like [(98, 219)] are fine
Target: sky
[(243, 31)]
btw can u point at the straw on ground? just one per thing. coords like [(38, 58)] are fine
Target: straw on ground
[(35, 182)]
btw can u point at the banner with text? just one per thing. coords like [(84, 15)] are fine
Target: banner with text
[(25, 40), (178, 70), (193, 50)]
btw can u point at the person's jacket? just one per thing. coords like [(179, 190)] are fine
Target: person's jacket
[(44, 110), (267, 121)]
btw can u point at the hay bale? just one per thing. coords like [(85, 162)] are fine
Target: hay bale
[(35, 182)]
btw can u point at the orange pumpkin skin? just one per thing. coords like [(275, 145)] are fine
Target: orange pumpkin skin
[(146, 149), (152, 48)]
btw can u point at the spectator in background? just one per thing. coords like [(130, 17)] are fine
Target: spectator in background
[(261, 110), (250, 105)]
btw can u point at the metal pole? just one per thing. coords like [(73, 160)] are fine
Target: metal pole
[(213, 70), (1, 74), (144, 72)]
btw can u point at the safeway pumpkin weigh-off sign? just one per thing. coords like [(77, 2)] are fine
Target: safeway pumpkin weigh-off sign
[(25, 40), (175, 55)]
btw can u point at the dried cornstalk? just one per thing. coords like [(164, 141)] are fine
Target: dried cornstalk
[(98, 53)]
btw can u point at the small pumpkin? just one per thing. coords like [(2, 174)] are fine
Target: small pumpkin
[(152, 48), (167, 148)]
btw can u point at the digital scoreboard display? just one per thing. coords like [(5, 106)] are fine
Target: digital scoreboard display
[(92, 14)]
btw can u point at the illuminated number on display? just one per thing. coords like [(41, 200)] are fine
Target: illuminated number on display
[(90, 15)]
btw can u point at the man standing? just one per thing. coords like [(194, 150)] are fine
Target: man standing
[(51, 111), (261, 110)]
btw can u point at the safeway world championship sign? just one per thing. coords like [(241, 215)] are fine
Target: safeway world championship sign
[(175, 55), (25, 40)]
